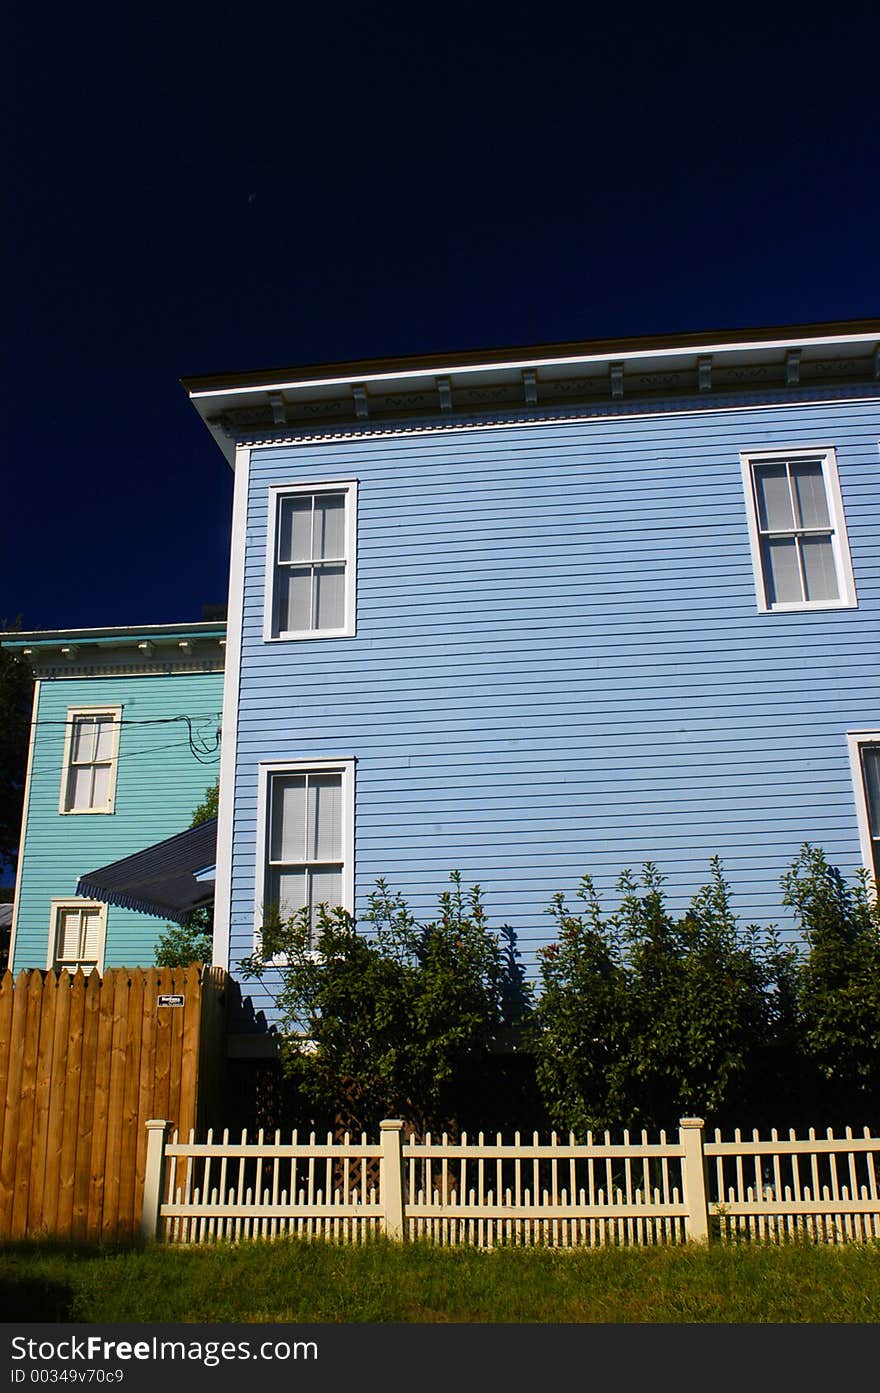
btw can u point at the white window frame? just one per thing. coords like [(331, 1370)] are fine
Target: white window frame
[(855, 739), (827, 457), (73, 714), (57, 907), (267, 771), (277, 493)]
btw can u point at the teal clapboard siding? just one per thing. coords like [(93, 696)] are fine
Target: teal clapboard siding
[(159, 784), (559, 664)]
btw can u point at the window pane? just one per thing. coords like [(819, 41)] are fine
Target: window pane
[(871, 770), (80, 795), (809, 491), (781, 574), (326, 888), (287, 840), (84, 741), (774, 498), (325, 817), (68, 934), (101, 785), (819, 570), (90, 936), (294, 600), (287, 892), (295, 528), (329, 539), (329, 597), (104, 727)]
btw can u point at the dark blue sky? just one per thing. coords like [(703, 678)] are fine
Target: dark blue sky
[(228, 186)]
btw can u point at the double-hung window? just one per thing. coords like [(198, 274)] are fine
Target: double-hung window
[(308, 823), (310, 581), (77, 935), (798, 535), (91, 746), (864, 753)]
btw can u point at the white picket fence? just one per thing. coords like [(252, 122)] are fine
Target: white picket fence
[(554, 1193), (822, 1188)]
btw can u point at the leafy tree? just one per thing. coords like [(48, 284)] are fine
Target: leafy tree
[(182, 944), (208, 809), (192, 941), (391, 1019), (643, 1017), (16, 702), (837, 982)]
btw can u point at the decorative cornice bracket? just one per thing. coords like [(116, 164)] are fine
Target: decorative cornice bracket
[(279, 408), (793, 367), (704, 373)]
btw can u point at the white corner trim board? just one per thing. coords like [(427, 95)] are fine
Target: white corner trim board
[(229, 726)]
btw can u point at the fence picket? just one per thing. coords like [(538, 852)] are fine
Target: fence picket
[(129, 1133), (24, 1132), (42, 1095), (81, 1215)]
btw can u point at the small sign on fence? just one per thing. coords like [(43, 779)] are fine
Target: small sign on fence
[(172, 1000)]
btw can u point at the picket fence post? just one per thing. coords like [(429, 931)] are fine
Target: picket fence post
[(391, 1179), (693, 1174), (154, 1178)]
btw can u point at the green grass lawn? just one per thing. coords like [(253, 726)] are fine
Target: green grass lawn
[(295, 1281)]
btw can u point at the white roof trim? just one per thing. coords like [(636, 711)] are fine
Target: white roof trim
[(516, 365)]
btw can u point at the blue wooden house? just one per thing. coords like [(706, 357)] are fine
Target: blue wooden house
[(534, 613), (125, 741)]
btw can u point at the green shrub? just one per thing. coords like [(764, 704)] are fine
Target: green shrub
[(643, 1017), (389, 1021), (837, 982)]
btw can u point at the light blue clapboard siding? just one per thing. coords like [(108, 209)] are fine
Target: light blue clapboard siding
[(559, 665), (159, 784)]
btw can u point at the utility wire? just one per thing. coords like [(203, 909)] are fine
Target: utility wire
[(199, 746), (126, 755), (132, 720)]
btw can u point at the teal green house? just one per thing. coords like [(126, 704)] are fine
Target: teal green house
[(125, 742)]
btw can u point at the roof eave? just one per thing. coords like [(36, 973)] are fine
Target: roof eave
[(242, 407), (19, 638), (487, 360)]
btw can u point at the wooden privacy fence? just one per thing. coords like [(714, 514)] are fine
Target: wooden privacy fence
[(84, 1062), (489, 1193)]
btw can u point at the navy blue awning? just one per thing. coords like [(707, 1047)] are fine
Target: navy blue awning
[(170, 878)]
